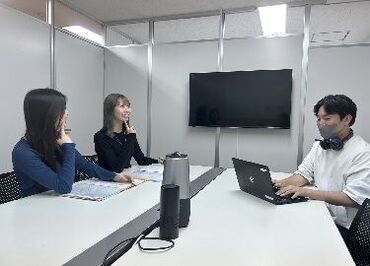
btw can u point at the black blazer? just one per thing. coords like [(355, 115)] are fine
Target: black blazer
[(115, 153)]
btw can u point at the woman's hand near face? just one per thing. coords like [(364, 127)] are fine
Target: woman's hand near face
[(64, 137), (130, 129)]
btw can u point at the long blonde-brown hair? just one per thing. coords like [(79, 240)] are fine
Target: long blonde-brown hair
[(110, 102)]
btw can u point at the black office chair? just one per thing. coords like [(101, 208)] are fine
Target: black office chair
[(9, 187), (82, 176), (359, 236)]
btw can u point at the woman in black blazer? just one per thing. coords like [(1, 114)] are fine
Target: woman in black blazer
[(116, 143)]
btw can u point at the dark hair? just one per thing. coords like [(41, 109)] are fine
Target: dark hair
[(337, 104), (43, 110), (110, 102)]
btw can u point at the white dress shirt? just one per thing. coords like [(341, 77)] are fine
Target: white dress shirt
[(347, 170)]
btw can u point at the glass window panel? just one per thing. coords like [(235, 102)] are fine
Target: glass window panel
[(116, 37), (34, 8), (73, 21), (137, 33)]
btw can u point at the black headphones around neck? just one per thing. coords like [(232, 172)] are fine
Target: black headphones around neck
[(335, 144)]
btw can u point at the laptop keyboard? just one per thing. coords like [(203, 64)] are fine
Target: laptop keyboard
[(287, 198)]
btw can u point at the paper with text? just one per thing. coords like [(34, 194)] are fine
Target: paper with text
[(93, 189), (153, 172)]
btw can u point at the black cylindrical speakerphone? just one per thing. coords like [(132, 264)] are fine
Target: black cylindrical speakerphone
[(169, 212)]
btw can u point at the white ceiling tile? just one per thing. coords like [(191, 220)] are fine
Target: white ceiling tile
[(353, 17), (204, 28), (113, 10), (295, 20), (243, 25)]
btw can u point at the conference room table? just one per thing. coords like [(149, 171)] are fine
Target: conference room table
[(230, 227), (48, 229)]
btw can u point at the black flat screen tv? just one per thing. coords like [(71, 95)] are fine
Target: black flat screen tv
[(250, 99)]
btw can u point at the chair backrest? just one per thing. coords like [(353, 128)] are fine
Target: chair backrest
[(359, 236), (9, 187), (82, 176)]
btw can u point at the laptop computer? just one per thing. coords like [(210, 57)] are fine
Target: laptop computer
[(255, 179)]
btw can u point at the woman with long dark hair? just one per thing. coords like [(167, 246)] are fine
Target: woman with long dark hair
[(116, 143), (46, 158)]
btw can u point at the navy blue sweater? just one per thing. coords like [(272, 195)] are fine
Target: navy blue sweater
[(34, 176)]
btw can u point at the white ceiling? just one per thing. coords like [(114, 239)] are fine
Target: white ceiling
[(330, 22), (346, 17), (335, 18), (237, 25), (118, 10)]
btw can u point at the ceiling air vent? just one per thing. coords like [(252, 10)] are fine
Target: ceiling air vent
[(329, 37)]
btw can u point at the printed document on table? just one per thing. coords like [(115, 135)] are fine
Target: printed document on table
[(153, 172), (93, 189)]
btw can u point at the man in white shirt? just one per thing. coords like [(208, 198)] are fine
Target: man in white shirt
[(338, 164)]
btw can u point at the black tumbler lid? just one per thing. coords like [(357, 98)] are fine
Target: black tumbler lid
[(169, 186)]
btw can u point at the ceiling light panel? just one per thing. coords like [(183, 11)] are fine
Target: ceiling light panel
[(273, 19), (247, 24)]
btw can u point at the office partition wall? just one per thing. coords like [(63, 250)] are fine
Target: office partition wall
[(79, 75), (126, 73), (172, 64), (275, 147), (338, 70), (24, 65), (338, 62)]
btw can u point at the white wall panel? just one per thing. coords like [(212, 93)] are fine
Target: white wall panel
[(338, 70), (126, 73), (276, 148), (172, 64), (79, 75), (24, 65)]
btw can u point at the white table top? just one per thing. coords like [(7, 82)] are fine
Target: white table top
[(49, 230), (230, 227)]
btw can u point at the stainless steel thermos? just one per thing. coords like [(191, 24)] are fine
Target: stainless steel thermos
[(176, 171)]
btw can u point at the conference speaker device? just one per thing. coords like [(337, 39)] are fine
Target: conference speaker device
[(169, 212), (176, 171)]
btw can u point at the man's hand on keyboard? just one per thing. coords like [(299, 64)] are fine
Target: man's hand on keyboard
[(295, 191), (293, 180)]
